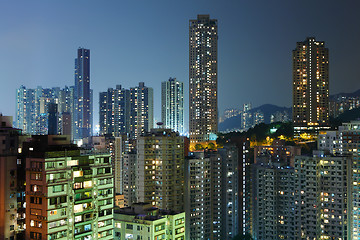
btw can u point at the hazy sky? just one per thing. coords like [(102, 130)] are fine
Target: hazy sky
[(133, 41)]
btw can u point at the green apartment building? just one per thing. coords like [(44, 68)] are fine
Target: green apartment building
[(141, 221), (69, 191)]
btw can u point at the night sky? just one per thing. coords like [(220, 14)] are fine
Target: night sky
[(133, 41)]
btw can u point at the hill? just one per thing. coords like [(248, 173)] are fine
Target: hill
[(347, 116), (339, 95)]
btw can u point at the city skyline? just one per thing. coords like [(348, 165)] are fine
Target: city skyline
[(142, 175), (251, 39)]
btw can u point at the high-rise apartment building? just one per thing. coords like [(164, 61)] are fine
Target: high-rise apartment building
[(114, 111), (349, 142), (230, 207), (323, 196), (69, 192), (172, 105), (25, 110), (272, 201), (119, 146), (345, 143), (129, 177), (246, 116), (160, 169), (310, 86), (65, 109), (198, 191), (141, 110), (241, 167), (203, 104), (211, 195), (82, 118)]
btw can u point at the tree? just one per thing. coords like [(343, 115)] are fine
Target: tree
[(211, 146), (199, 147)]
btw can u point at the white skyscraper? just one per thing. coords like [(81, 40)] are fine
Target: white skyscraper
[(172, 105)]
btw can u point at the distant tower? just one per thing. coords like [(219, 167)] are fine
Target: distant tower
[(203, 111), (310, 86), (172, 105), (141, 110), (25, 110), (53, 118), (82, 96), (114, 111)]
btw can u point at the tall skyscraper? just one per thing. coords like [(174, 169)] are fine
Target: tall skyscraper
[(114, 111), (141, 110), (172, 105), (310, 86), (203, 111), (82, 96)]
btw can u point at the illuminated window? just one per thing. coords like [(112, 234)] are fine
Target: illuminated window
[(78, 218), (78, 174), (87, 184), (78, 208), (72, 163), (54, 212)]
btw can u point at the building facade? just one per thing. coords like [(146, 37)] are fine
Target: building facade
[(172, 105), (310, 86), (203, 79)]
